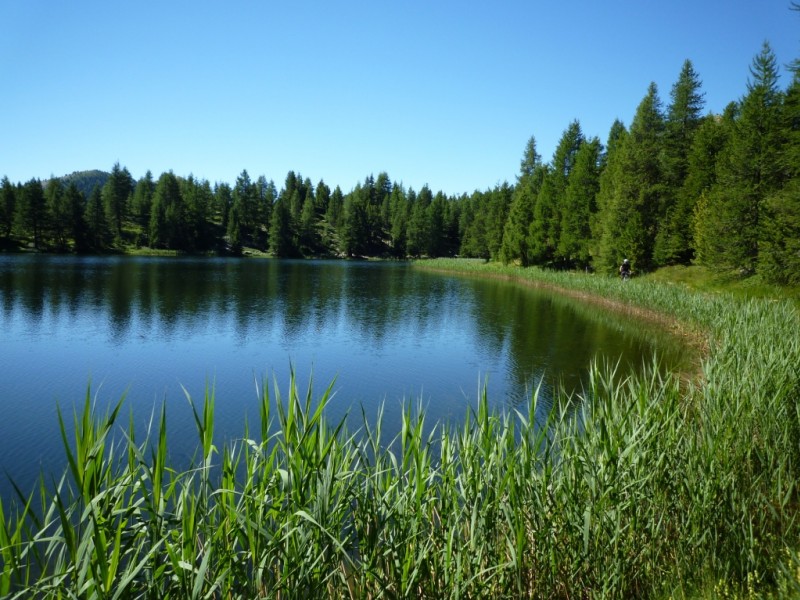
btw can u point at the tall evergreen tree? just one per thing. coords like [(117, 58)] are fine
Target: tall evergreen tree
[(141, 203), (116, 191), (515, 231), (335, 208), (168, 224), (603, 222), (223, 200), (498, 207), (709, 141), (309, 240), (76, 205), (579, 205), (96, 225), (398, 221), (58, 214), (638, 187), (545, 228), (673, 239), (198, 200), (8, 201), (779, 249), (749, 169), (281, 230), (32, 211), (418, 225)]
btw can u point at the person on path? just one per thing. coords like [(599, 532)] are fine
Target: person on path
[(625, 269)]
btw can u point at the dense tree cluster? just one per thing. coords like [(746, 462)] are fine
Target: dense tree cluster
[(677, 186)]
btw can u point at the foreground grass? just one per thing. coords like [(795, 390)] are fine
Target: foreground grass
[(658, 488)]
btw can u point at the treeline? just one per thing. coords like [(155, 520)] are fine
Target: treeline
[(676, 187)]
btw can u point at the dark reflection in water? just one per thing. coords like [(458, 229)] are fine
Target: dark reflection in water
[(386, 332)]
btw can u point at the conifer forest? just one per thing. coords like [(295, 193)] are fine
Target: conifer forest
[(677, 185)]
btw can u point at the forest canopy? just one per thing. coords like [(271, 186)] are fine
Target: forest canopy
[(676, 186)]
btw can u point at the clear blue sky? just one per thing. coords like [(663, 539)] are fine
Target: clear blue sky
[(442, 93)]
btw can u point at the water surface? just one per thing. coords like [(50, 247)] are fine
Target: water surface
[(148, 328)]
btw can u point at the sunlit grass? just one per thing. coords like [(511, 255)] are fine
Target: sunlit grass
[(655, 488)]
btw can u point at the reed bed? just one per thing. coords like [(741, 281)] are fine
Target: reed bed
[(649, 488)]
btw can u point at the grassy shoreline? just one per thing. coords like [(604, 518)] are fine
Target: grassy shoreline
[(658, 490)]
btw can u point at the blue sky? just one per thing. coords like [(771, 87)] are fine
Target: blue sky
[(440, 93)]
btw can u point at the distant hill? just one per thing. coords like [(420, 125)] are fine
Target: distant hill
[(86, 180)]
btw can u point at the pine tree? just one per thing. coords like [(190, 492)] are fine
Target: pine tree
[(58, 213), (779, 249), (223, 200), (398, 221), (580, 205), (472, 226), (8, 201), (673, 239), (168, 225), (76, 205), (515, 232), (309, 240), (631, 219), (749, 170), (31, 211), (116, 191), (141, 204), (335, 208), (545, 227), (418, 225), (709, 140), (603, 222), (96, 225), (281, 232)]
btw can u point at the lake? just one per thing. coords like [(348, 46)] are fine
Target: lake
[(386, 332)]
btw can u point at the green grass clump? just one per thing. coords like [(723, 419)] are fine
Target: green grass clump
[(655, 487)]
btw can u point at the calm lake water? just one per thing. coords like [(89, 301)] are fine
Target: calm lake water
[(387, 333)]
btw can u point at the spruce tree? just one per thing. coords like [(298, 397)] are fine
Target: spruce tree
[(141, 203), (603, 222), (168, 224), (709, 140), (8, 200), (58, 213), (684, 115), (520, 215), (31, 211), (631, 219), (563, 162), (779, 249), (76, 205), (749, 170), (116, 191), (579, 205), (96, 225), (398, 221), (498, 207), (418, 231)]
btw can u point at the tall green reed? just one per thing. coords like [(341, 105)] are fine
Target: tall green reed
[(639, 486)]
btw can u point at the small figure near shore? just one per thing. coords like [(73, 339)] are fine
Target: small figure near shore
[(625, 270)]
